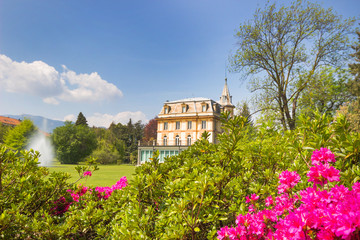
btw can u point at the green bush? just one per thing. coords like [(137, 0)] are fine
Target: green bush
[(106, 153), (194, 194), (27, 192)]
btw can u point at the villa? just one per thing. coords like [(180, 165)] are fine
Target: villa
[(182, 122)]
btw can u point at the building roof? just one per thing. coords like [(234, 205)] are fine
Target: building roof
[(9, 121), (194, 99)]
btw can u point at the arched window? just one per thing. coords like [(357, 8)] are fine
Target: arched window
[(188, 140), (177, 140), (165, 141)]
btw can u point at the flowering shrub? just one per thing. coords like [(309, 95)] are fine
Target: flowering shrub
[(313, 213), (194, 194), (105, 192), (62, 204)]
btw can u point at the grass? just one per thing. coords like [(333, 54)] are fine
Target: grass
[(107, 175)]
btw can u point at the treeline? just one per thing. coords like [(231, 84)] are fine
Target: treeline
[(118, 143), (114, 145)]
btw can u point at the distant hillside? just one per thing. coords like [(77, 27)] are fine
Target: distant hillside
[(44, 124)]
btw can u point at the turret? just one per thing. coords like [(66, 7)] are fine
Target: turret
[(226, 99)]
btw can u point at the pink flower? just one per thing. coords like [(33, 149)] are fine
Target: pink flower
[(87, 173), (105, 192), (316, 214), (322, 156), (223, 233), (251, 208), (269, 201), (288, 180), (253, 198), (322, 173), (356, 187), (75, 197)]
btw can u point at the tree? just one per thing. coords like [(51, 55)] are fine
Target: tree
[(281, 49), (352, 109), (355, 69), (81, 120), (17, 138), (73, 143), (3, 130), (129, 135), (150, 130), (106, 153), (327, 91), (244, 111)]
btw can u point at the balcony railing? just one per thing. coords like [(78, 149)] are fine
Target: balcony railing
[(168, 143)]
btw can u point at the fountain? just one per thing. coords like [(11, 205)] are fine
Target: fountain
[(42, 143)]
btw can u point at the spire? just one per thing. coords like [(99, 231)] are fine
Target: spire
[(225, 98)]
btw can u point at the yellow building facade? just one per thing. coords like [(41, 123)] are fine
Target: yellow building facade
[(182, 122)]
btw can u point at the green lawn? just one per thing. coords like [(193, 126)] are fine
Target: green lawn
[(107, 175)]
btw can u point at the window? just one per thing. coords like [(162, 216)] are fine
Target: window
[(166, 110), (184, 108), (165, 141), (165, 126), (203, 107), (188, 140), (177, 140), (203, 124), (189, 124), (177, 125)]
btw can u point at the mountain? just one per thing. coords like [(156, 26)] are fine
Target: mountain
[(44, 124)]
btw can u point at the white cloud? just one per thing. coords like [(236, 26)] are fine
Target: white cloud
[(40, 79), (70, 117), (104, 120), (36, 78), (89, 87), (51, 100)]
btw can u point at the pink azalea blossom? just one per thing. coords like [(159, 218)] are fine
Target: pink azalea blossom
[(87, 173), (356, 187), (269, 201), (316, 214), (251, 208), (61, 205), (223, 233), (253, 198), (322, 173), (322, 156), (288, 180)]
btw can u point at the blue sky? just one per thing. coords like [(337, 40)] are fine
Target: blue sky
[(114, 59)]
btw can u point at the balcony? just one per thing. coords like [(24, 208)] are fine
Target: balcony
[(168, 143)]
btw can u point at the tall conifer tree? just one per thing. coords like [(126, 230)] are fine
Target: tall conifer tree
[(81, 120)]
